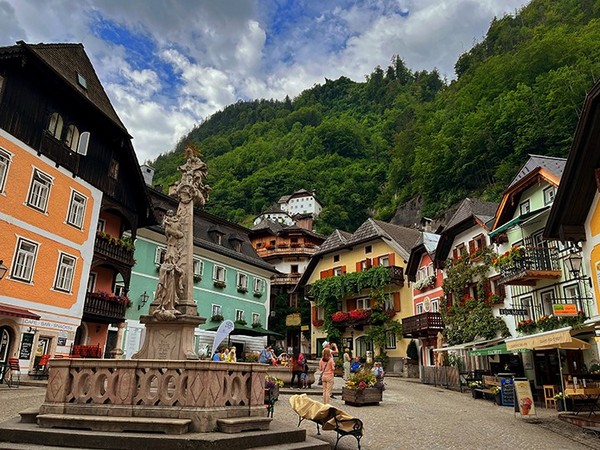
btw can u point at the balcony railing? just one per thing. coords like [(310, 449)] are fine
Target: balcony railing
[(535, 263), (397, 275), (104, 311), (284, 279), (113, 251), (299, 249), (422, 325)]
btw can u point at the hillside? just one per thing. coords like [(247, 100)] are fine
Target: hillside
[(367, 147)]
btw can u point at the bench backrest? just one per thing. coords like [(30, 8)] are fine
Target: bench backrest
[(490, 380), (13, 363)]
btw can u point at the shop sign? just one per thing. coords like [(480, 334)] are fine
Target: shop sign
[(540, 340), (524, 400), (293, 320), (26, 344), (513, 312), (562, 309)]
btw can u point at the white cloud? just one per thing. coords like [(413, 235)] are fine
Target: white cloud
[(197, 57)]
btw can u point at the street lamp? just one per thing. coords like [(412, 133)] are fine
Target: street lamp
[(144, 298), (573, 263), (3, 269)]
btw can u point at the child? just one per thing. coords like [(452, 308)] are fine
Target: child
[(304, 375)]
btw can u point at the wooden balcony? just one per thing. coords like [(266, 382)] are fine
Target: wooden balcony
[(422, 325), (537, 263), (291, 250), (286, 279), (101, 310), (113, 252), (397, 275)]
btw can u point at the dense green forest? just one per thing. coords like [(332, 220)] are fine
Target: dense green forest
[(367, 147)]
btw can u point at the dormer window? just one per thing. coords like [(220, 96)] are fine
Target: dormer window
[(236, 243), (81, 81)]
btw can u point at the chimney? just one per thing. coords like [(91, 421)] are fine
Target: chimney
[(148, 173)]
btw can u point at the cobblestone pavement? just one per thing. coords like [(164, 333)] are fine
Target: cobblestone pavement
[(412, 416)]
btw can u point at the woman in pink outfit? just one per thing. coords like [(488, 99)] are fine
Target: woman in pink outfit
[(327, 367)]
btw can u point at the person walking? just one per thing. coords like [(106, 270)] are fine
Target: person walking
[(296, 368), (347, 360), (327, 368)]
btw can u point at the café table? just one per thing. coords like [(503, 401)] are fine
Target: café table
[(584, 398)]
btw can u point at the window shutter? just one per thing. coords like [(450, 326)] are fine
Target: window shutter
[(397, 301), (454, 253), (487, 287), (368, 260), (326, 273), (343, 269), (359, 266), (313, 313), (375, 262), (501, 291), (392, 258), (471, 246), (351, 304)]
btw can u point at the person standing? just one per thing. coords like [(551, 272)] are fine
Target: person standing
[(327, 368), (232, 355), (347, 360), (296, 368)]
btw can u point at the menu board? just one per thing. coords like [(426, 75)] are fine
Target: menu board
[(523, 400), (508, 391), (26, 344)]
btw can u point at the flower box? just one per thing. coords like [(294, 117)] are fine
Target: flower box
[(219, 284), (361, 397), (242, 289)]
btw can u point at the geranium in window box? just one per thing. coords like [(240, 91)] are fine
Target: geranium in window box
[(257, 293), (219, 284), (256, 325), (242, 289), (358, 315), (216, 318), (197, 278), (340, 317), (241, 322)]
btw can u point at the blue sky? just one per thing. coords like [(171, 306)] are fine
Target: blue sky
[(167, 66)]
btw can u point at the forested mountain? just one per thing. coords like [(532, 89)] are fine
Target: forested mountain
[(367, 147)]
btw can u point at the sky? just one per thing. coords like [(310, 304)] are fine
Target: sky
[(168, 65)]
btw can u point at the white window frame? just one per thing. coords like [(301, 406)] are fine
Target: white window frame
[(435, 305), (198, 267), (159, 255), (320, 313), (384, 261), (39, 190), (390, 340), (5, 160), (255, 318), (72, 137), (24, 260), (388, 301), (420, 308), (76, 212), (55, 125), (259, 285), (216, 310), (219, 273), (65, 272), (363, 303), (91, 282), (239, 315), (337, 272), (549, 194), (242, 280), (101, 225), (524, 207)]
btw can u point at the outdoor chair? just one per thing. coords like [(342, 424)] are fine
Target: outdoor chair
[(549, 396), (41, 370), (14, 373)]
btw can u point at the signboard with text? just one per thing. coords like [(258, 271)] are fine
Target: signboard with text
[(524, 404), (562, 309), (26, 344)]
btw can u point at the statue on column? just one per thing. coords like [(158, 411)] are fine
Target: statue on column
[(170, 276)]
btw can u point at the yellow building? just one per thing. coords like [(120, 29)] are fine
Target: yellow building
[(378, 297)]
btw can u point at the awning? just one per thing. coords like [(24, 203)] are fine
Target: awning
[(518, 220), (545, 340), (7, 310), (468, 345), (499, 349), (575, 344)]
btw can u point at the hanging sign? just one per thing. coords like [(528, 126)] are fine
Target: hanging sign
[(523, 399), (562, 309), (513, 312)]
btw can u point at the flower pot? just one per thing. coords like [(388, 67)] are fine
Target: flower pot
[(560, 405), (498, 399), (361, 397)]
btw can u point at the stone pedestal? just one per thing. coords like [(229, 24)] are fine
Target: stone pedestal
[(169, 340)]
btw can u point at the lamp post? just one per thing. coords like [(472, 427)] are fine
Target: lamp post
[(3, 269), (573, 263)]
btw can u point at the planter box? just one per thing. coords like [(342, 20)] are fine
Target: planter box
[(360, 397)]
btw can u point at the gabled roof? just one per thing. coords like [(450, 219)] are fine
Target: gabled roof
[(336, 239), (427, 243), (268, 225), (576, 192), (67, 60), (470, 213), (536, 168)]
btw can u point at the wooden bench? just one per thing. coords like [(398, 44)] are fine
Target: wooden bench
[(327, 417)]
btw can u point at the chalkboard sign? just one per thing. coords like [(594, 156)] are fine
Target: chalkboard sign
[(26, 344), (508, 391)]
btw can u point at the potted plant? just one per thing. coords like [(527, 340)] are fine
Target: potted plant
[(474, 385), (272, 385), (561, 401), (360, 389), (497, 393)]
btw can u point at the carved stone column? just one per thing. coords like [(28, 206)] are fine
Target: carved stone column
[(117, 352)]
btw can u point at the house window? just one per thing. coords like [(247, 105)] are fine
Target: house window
[(384, 261), (435, 305), (258, 285), (119, 288), (336, 258), (101, 225), (72, 138), (320, 313), (388, 301), (571, 292), (24, 260), (524, 207), (461, 250), (390, 340), (55, 125), (5, 158), (219, 273), (81, 81), (479, 242), (91, 283), (198, 267), (64, 274), (216, 310), (39, 190), (159, 255), (76, 210), (549, 194), (294, 240), (255, 318), (294, 268), (420, 308), (362, 303), (242, 281), (113, 170), (239, 315), (368, 249)]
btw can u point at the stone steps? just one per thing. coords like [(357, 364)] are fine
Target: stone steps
[(113, 423), (278, 436), (239, 424)]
